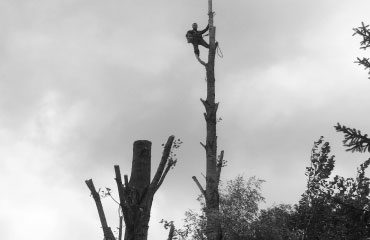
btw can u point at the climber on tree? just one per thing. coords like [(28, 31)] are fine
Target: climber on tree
[(195, 37)]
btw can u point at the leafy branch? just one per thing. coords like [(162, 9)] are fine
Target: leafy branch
[(353, 139), (364, 62), (364, 32)]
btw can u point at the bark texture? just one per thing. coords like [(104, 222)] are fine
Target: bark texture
[(213, 229)]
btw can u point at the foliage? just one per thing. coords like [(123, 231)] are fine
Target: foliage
[(239, 200), (334, 208), (172, 158), (275, 223), (364, 32)]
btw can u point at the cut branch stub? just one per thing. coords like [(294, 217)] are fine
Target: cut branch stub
[(203, 101), (205, 116), (162, 164), (199, 186), (126, 181), (216, 107), (119, 184), (108, 234), (123, 197)]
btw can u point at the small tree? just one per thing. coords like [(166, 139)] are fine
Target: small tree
[(334, 208), (136, 195), (239, 200)]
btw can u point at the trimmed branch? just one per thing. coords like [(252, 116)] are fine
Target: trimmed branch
[(123, 198), (353, 139), (216, 107), (199, 186), (119, 185), (108, 234), (204, 102), (205, 116), (169, 165), (204, 146), (120, 228), (126, 181), (162, 164)]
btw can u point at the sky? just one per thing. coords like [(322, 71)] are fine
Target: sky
[(81, 80)]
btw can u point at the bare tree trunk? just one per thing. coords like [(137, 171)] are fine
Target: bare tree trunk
[(213, 228), (136, 195)]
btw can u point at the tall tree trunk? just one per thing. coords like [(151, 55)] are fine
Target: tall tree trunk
[(214, 164), (213, 229)]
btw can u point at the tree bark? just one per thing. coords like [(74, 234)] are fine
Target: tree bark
[(108, 234), (213, 228), (136, 197)]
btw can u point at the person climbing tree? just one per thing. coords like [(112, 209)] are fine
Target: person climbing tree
[(195, 37)]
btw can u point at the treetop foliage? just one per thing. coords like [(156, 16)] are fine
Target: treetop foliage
[(334, 208)]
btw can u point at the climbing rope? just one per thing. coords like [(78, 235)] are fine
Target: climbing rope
[(219, 52)]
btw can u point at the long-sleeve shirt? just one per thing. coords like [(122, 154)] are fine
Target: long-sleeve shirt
[(196, 35)]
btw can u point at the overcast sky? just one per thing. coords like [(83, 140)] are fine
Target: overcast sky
[(81, 80)]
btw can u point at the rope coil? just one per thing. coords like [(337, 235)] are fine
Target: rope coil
[(219, 52)]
